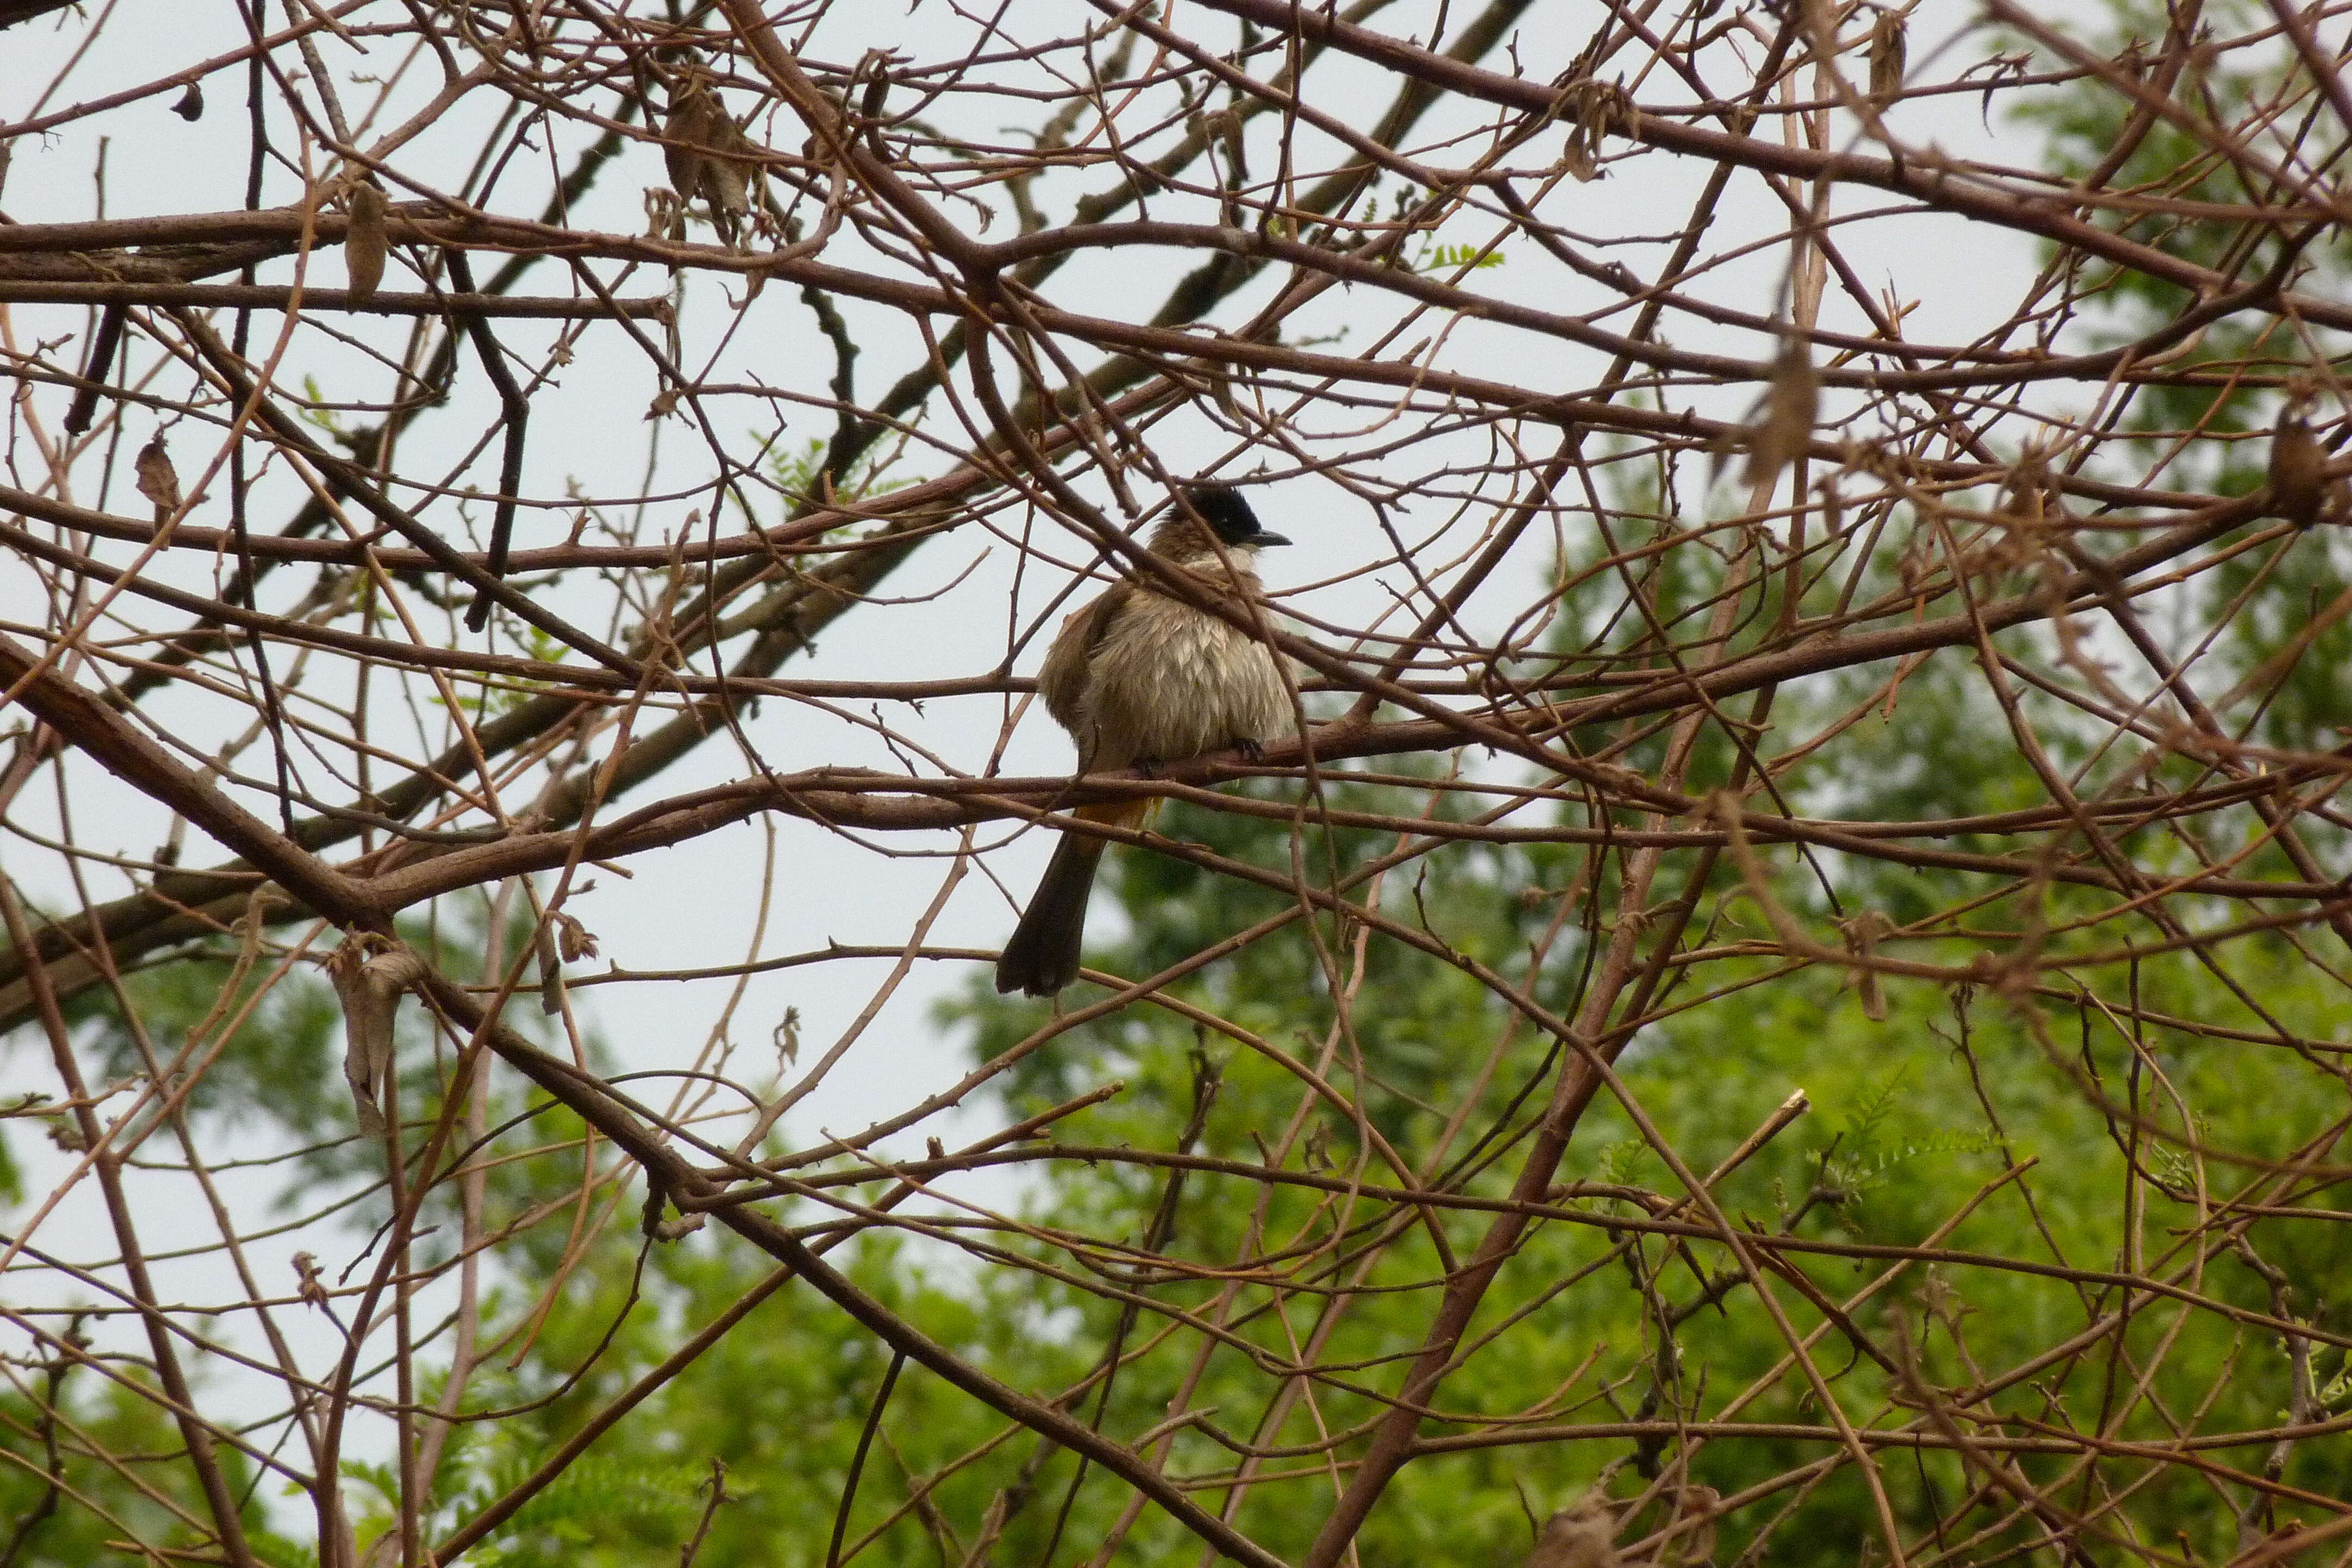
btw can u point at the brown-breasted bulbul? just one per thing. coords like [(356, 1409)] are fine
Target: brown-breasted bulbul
[(1139, 679)]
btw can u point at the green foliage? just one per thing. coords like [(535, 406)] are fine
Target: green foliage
[(1451, 257), (800, 472), (2080, 125), (1866, 1155), (317, 409), (122, 1475), (1899, 1142), (780, 1401), (604, 1507), (490, 698), (276, 1076), (278, 1061)]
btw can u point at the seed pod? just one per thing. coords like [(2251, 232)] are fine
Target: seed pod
[(151, 470), (1593, 110), (1789, 407), (364, 242), (1886, 61), (2298, 472), (371, 977), (1576, 157), (876, 69)]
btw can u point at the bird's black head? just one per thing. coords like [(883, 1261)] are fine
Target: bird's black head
[(1225, 512)]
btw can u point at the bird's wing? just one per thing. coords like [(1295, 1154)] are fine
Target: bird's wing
[(1063, 680)]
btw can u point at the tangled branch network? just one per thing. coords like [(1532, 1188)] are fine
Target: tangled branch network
[(1780, 998)]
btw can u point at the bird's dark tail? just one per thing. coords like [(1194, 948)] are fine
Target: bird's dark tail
[(1043, 955)]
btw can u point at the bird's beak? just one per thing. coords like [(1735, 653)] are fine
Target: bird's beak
[(1261, 537)]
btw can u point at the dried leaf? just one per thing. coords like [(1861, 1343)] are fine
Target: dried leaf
[(727, 181), (684, 134), (551, 964), (1886, 61), (191, 106), (1227, 123), (788, 1036), (2298, 473), (1790, 406), (574, 940), (2028, 497), (365, 245), (1696, 1542), (1582, 1535), (1863, 934), (708, 155), (155, 477), (311, 1289), (369, 979)]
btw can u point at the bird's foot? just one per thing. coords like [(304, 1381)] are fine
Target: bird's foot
[(1252, 749)]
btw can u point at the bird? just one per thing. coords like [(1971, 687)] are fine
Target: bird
[(1140, 679)]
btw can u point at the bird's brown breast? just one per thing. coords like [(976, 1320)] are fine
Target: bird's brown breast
[(1141, 677)]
